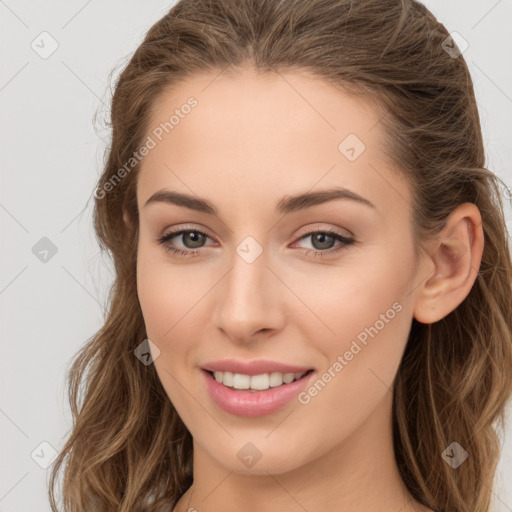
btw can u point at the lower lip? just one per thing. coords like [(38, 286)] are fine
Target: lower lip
[(257, 403)]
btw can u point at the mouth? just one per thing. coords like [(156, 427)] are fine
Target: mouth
[(256, 383), (235, 394)]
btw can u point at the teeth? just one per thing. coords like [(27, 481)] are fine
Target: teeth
[(256, 382)]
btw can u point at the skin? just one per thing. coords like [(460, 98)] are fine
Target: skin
[(252, 140)]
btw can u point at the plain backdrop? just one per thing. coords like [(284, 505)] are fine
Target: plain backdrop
[(53, 280)]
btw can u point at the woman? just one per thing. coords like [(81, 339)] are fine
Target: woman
[(312, 299)]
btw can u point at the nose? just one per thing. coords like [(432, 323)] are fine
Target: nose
[(250, 301)]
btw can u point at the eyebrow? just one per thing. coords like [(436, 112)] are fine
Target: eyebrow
[(287, 204)]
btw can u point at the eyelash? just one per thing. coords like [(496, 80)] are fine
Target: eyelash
[(345, 242)]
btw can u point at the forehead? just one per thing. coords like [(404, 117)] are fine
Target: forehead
[(259, 134)]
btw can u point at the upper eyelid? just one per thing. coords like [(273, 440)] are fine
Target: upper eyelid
[(348, 234), (314, 229)]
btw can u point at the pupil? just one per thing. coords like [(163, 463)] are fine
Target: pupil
[(194, 235), (322, 237)]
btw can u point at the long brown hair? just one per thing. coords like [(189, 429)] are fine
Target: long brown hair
[(128, 449)]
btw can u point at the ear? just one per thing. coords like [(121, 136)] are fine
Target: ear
[(455, 256), (127, 220)]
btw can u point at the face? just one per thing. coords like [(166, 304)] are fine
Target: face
[(324, 284)]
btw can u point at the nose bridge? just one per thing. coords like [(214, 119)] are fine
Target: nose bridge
[(249, 301)]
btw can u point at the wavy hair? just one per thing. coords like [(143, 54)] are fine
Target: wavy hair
[(128, 449)]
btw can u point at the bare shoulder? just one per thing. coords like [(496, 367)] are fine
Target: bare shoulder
[(180, 505)]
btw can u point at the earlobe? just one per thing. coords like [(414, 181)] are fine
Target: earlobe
[(455, 256)]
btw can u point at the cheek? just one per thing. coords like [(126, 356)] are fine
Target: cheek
[(360, 364), (349, 298), (167, 292), (365, 320), (157, 301), (167, 297)]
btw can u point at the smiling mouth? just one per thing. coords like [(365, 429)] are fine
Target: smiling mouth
[(255, 383)]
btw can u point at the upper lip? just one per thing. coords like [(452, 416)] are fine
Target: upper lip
[(256, 367)]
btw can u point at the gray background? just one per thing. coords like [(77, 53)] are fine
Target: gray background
[(52, 154)]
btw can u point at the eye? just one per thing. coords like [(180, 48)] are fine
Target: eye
[(193, 239), (323, 242)]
